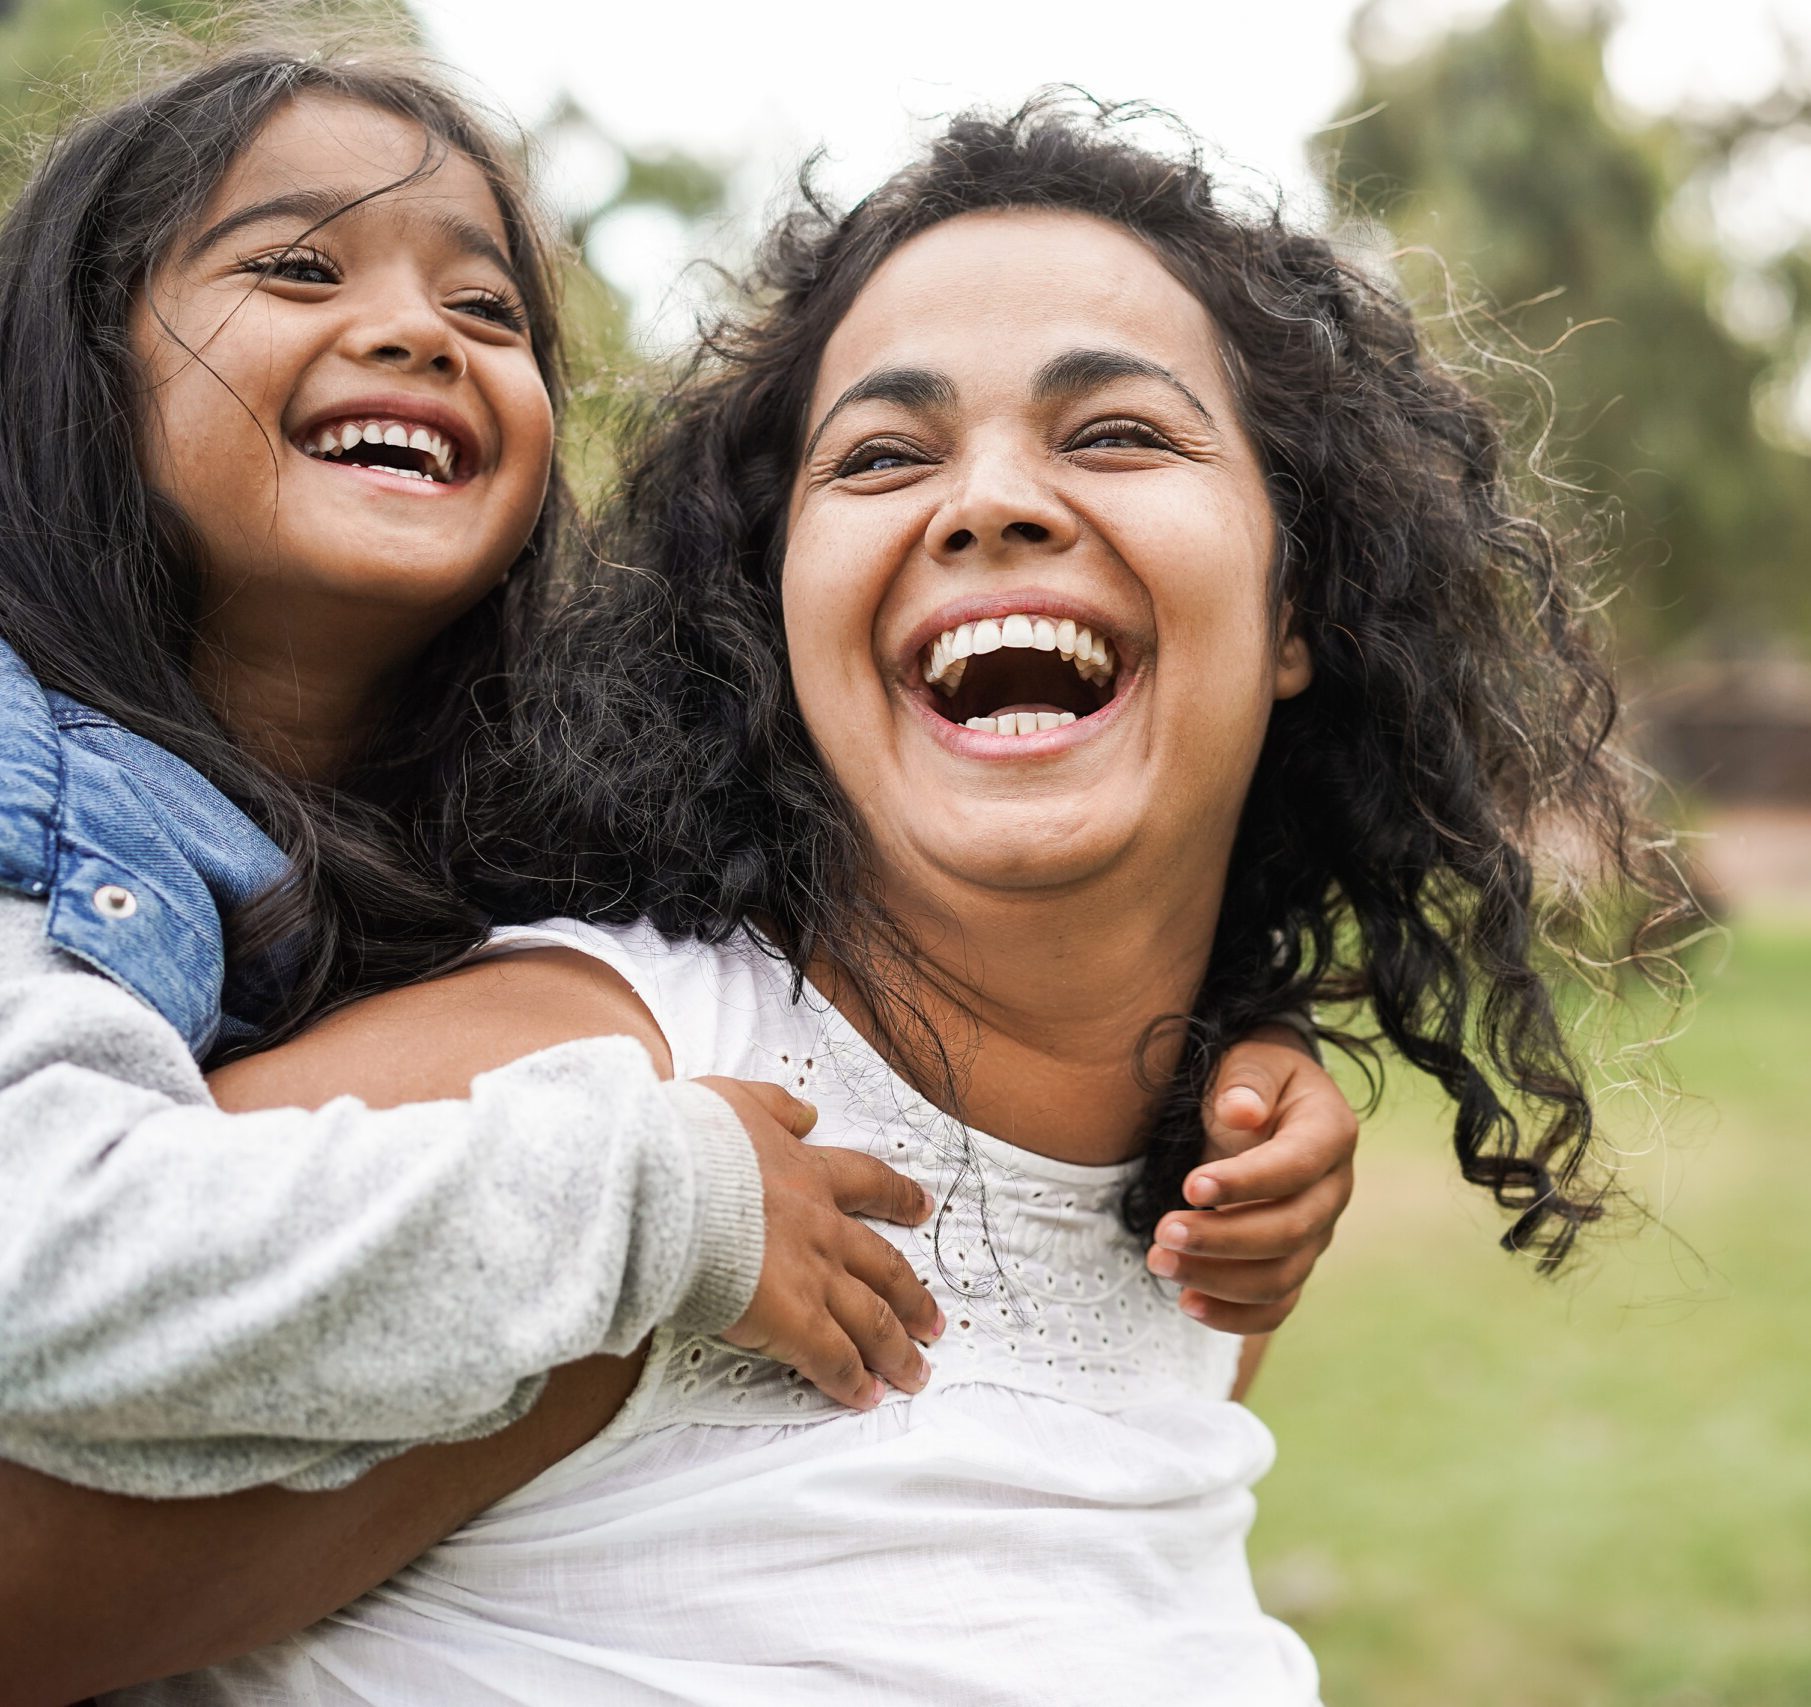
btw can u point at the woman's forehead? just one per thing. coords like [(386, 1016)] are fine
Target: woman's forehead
[(997, 292)]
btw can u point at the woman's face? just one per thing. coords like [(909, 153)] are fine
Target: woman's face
[(1027, 581), (352, 417)]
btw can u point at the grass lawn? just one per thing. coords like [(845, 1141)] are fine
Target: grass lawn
[(1496, 1491)]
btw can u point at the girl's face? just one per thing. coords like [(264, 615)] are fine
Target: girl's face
[(1027, 580), (352, 422)]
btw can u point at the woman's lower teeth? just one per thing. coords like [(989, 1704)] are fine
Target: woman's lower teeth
[(1020, 722)]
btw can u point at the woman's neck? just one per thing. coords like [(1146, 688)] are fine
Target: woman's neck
[(1043, 1002)]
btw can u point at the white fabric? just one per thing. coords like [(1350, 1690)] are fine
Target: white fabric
[(1059, 1518)]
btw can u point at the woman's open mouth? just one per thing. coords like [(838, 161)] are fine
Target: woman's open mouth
[(1020, 674)]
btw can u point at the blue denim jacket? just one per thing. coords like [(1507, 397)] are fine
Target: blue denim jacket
[(138, 856)]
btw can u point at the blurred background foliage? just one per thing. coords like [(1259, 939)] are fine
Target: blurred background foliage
[(1493, 1493), (1585, 238)]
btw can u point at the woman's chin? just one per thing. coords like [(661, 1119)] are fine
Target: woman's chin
[(1023, 850)]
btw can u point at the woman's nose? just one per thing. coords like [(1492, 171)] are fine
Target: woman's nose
[(1001, 508)]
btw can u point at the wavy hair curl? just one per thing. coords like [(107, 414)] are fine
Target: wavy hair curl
[(1459, 709)]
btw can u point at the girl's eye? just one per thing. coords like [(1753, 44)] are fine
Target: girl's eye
[(878, 456), (1119, 435), (294, 266), (497, 309)]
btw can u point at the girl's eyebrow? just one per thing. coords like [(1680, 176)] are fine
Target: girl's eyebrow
[(316, 207)]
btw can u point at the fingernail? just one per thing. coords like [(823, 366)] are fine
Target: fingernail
[(939, 1325), (1202, 1190), (1241, 1099), (876, 1393), (1172, 1237), (924, 1372), (1163, 1263), (930, 1203), (1193, 1304)]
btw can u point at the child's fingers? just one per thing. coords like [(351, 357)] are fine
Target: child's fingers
[(831, 1363), (793, 1113), (865, 1185), (1237, 1280), (885, 1347), (884, 1270), (1260, 1231), (1243, 1319), (1317, 1139)]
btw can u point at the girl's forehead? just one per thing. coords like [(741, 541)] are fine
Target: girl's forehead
[(337, 150)]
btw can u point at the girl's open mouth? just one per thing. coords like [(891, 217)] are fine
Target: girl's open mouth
[(1020, 674), (387, 445)]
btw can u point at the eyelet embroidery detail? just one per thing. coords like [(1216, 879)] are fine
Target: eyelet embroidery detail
[(1045, 1294)]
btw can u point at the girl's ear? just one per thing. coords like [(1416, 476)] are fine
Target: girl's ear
[(1294, 662)]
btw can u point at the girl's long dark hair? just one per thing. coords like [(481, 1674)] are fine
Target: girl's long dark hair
[(1459, 715), (99, 575)]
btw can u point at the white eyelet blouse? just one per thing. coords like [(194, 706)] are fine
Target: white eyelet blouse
[(1060, 1517)]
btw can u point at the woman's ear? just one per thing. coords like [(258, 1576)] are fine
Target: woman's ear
[(1294, 662)]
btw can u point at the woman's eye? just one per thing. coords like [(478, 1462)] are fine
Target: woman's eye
[(879, 457), (295, 266), (1119, 435), (498, 310)]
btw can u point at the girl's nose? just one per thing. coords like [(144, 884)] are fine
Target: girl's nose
[(1001, 507), (412, 337)]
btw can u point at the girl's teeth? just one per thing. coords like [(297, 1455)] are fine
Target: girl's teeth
[(1043, 634), (1016, 631), (336, 441)]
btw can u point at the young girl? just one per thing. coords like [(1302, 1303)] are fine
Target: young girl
[(278, 367), (1105, 623)]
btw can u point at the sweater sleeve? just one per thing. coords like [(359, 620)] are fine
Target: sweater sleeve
[(193, 1302)]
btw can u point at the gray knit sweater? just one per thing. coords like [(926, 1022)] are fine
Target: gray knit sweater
[(193, 1301)]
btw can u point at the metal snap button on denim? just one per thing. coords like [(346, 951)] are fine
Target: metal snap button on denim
[(113, 902)]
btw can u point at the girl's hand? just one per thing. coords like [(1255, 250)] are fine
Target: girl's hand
[(1280, 1141), (834, 1300)]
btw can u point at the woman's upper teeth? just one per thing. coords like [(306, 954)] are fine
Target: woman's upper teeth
[(338, 437), (948, 655)]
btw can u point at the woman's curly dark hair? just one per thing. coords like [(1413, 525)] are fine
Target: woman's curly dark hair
[(1459, 711)]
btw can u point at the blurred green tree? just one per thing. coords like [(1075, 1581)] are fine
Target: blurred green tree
[(1498, 152)]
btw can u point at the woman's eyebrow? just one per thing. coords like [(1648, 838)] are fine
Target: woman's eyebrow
[(910, 387), (1077, 371)]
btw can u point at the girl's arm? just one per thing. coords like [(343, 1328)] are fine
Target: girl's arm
[(193, 1301), (98, 1591)]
